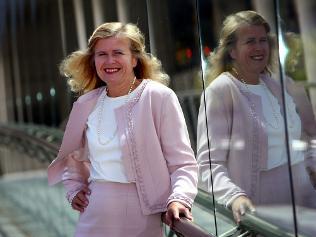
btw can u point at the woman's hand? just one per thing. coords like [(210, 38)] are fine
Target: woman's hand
[(239, 207), (80, 201), (174, 211)]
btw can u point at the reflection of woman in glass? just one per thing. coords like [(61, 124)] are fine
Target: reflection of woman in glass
[(125, 157), (245, 123)]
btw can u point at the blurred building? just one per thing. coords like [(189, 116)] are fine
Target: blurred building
[(35, 35)]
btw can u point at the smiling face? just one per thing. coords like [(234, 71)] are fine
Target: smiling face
[(251, 51), (114, 61)]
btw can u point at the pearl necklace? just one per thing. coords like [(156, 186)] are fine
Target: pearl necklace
[(106, 142), (274, 112)]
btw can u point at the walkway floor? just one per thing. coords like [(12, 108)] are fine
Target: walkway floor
[(14, 220), (15, 223)]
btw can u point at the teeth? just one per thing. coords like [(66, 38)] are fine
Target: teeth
[(111, 70), (257, 57)]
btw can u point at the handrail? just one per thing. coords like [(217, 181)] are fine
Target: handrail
[(22, 138), (16, 133), (186, 228), (249, 222)]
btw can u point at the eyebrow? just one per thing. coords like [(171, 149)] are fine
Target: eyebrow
[(114, 50), (247, 39), (253, 38), (101, 50)]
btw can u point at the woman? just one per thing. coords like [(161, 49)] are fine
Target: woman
[(245, 123), (125, 157)]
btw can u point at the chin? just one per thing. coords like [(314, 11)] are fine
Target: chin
[(110, 79), (259, 69)]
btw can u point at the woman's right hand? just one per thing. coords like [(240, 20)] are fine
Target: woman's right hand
[(239, 207), (80, 201)]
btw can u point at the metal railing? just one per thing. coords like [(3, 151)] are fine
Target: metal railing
[(251, 225)]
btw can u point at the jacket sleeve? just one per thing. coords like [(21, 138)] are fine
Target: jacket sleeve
[(178, 153), (213, 139), (76, 173), (72, 171)]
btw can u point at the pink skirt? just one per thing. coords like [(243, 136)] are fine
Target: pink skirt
[(114, 211), (275, 186)]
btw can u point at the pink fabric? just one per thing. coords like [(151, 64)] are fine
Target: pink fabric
[(275, 186), (75, 175), (238, 141), (114, 210), (155, 144)]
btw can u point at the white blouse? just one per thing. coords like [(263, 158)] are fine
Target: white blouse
[(103, 142)]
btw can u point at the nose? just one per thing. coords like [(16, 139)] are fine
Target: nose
[(258, 46), (262, 44), (109, 59)]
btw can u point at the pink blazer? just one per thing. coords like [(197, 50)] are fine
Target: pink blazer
[(238, 142), (156, 149)]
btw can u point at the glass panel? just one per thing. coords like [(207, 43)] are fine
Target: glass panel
[(241, 126), (174, 40), (298, 22)]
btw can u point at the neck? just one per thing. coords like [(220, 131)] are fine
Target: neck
[(246, 77), (123, 89)]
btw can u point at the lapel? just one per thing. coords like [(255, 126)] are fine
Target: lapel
[(252, 98), (259, 137), (74, 132)]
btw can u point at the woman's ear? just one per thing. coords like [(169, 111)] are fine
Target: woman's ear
[(232, 53), (134, 61)]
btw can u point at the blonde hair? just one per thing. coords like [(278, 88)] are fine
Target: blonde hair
[(220, 60), (80, 69)]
